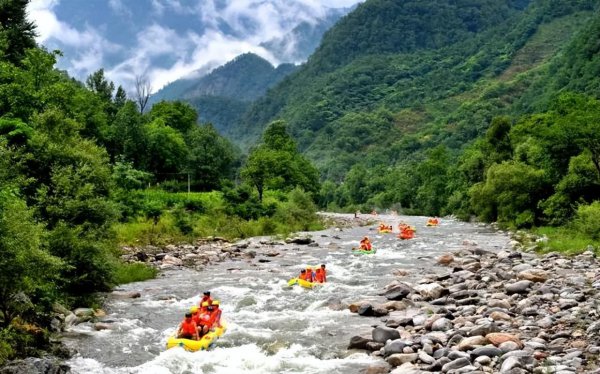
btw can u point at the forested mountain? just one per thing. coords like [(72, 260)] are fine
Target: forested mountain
[(398, 92), (222, 96)]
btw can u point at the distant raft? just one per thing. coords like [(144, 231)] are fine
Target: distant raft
[(384, 231), (205, 343), (303, 283), (363, 252)]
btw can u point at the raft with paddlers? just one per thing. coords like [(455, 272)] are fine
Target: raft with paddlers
[(433, 222), (308, 278), (384, 229), (205, 342), (407, 232), (303, 283)]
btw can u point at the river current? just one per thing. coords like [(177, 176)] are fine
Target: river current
[(272, 328)]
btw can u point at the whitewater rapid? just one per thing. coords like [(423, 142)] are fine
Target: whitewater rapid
[(272, 328)]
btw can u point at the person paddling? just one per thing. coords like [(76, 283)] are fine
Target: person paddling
[(320, 274), (188, 329), (205, 298), (365, 244)]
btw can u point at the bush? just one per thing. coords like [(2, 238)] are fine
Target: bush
[(183, 221), (587, 220), (136, 272)]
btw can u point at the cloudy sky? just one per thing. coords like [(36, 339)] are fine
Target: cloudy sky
[(166, 39)]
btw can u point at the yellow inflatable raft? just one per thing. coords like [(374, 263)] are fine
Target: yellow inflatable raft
[(303, 283), (203, 344), (384, 231)]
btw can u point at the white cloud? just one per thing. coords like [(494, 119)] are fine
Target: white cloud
[(248, 24)]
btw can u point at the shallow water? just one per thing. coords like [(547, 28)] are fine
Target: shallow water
[(272, 328)]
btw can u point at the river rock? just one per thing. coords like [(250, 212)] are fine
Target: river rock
[(469, 343), (380, 368), (445, 259), (395, 305), (84, 312), (497, 338), (509, 346), (47, 365), (397, 292), (382, 334), (509, 364), (398, 359), (300, 240), (499, 316), (431, 291), (373, 346), (425, 358), (379, 311), (483, 329), (358, 342), (172, 260), (407, 368), (489, 351), (456, 364), (534, 275), (98, 326), (365, 310), (393, 346), (493, 303), (442, 324), (518, 287), (355, 306), (125, 294)]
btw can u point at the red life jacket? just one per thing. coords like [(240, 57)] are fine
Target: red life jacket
[(188, 327), (320, 277), (216, 317)]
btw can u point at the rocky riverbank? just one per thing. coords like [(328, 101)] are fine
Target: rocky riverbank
[(483, 312), (204, 252)]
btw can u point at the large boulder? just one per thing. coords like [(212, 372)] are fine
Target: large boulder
[(397, 292), (358, 342), (382, 334), (32, 365)]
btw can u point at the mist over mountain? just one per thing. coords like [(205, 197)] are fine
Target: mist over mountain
[(223, 95), (171, 39)]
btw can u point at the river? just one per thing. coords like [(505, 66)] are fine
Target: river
[(272, 328)]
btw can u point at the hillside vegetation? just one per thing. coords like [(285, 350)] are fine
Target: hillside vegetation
[(405, 106)]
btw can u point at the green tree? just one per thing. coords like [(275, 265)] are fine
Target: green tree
[(175, 114), (277, 164), (98, 84), (210, 157), (25, 267), (510, 194), (166, 149), (126, 136), (16, 31)]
